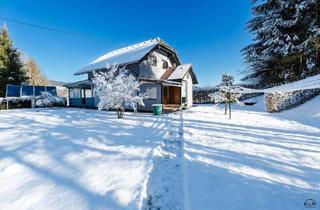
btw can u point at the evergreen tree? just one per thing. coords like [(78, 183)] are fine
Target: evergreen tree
[(310, 9), (283, 35), (11, 66)]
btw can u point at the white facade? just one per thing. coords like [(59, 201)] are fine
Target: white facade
[(152, 62), (151, 71), (187, 90)]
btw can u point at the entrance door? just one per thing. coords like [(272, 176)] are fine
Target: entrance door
[(171, 95), (165, 91)]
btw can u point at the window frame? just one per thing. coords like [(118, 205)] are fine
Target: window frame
[(88, 93), (164, 62), (153, 60), (154, 90), (73, 91)]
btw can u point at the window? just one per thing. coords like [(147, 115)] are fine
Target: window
[(151, 92), (88, 93), (74, 93), (165, 64), (153, 60)]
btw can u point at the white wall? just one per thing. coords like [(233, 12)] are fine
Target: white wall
[(189, 88), (153, 72)]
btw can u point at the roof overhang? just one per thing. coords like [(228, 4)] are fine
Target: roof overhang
[(80, 84), (162, 82), (193, 76), (104, 68)]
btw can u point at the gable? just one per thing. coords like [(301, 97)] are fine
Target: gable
[(181, 71)]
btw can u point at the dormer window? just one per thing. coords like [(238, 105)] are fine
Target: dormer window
[(165, 64), (153, 60)]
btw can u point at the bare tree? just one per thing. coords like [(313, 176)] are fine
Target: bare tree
[(34, 73)]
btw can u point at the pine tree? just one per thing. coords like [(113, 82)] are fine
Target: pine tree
[(310, 9), (281, 51), (34, 73), (11, 66)]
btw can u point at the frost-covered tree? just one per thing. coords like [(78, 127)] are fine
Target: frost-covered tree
[(11, 66), (221, 96), (226, 93), (117, 89), (283, 32)]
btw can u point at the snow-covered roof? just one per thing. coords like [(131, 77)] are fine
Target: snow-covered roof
[(180, 72), (79, 83), (126, 55)]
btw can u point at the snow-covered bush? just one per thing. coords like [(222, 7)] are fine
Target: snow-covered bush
[(46, 99), (280, 101), (15, 102), (117, 89)]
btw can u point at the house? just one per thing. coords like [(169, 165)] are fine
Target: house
[(154, 63)]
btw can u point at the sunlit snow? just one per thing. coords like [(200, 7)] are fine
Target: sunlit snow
[(195, 159)]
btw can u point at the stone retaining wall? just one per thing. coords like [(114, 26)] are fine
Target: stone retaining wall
[(277, 102)]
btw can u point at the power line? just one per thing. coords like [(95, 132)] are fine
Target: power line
[(38, 26)]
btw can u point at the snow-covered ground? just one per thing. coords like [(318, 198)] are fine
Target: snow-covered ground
[(197, 159), (76, 159), (257, 160)]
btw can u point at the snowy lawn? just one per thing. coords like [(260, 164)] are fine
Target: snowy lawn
[(257, 160), (194, 160), (75, 159)]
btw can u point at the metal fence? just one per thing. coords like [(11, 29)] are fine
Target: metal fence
[(28, 91)]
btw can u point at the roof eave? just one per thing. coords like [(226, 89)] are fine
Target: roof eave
[(99, 69), (78, 83), (194, 77)]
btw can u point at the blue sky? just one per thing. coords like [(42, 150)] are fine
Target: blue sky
[(208, 34)]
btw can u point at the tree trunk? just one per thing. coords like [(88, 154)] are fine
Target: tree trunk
[(120, 113), (229, 101), (229, 109), (225, 107)]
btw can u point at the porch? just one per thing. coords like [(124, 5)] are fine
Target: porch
[(171, 98), (81, 94)]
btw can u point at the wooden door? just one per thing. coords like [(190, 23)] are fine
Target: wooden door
[(165, 91)]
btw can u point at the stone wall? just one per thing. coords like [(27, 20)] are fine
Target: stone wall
[(277, 102)]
